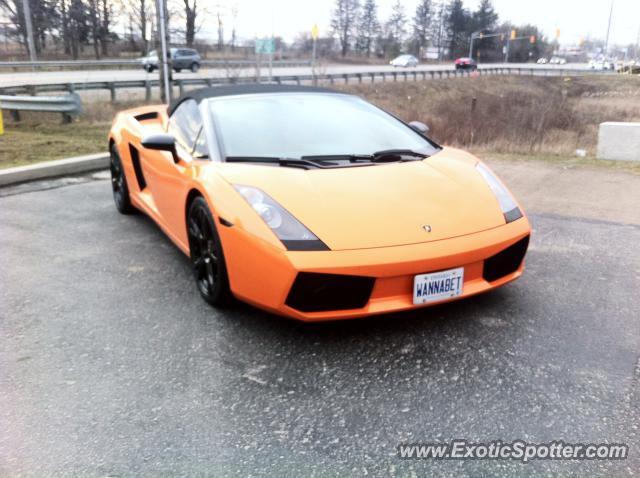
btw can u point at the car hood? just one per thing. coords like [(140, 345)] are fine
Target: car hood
[(382, 205)]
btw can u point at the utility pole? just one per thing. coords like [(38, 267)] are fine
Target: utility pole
[(165, 80), (314, 36), (473, 36), (27, 21), (606, 43), (440, 25)]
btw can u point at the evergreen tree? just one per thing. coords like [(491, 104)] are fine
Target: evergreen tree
[(368, 27), (458, 28), (422, 21), (394, 31)]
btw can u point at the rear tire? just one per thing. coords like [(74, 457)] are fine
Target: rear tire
[(178, 70), (207, 257), (119, 184)]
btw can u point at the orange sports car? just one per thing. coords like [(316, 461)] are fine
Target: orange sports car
[(315, 204)]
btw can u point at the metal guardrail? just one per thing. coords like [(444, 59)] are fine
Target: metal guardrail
[(132, 63), (331, 78), (68, 105)]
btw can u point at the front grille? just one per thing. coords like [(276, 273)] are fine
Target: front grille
[(315, 292), (506, 261)]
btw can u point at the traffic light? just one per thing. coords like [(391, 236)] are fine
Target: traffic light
[(532, 39), (513, 34)]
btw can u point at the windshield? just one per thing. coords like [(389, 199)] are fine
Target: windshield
[(292, 125)]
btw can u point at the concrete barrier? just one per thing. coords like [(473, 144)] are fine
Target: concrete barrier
[(50, 169), (619, 141)]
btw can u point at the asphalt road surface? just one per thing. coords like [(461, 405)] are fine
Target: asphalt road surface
[(45, 77), (112, 365)]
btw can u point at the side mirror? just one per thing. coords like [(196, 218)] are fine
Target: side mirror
[(162, 142), (419, 127)]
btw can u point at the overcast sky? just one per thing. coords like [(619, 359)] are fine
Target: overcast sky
[(575, 18)]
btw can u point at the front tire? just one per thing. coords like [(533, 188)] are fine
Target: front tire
[(207, 258), (119, 184), (194, 67)]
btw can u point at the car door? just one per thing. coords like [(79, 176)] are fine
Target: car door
[(183, 56), (169, 179)]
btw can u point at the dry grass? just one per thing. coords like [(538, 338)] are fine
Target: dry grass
[(534, 116), (43, 137), (512, 114)]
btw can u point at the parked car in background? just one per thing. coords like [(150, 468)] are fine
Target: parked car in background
[(405, 61), (557, 60), (465, 63), (181, 59), (542, 61), (601, 65)]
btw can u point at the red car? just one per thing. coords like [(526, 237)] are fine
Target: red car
[(466, 64)]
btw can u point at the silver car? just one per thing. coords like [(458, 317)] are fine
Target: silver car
[(405, 61), (181, 59)]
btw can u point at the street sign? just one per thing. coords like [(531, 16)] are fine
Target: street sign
[(266, 46), (315, 31)]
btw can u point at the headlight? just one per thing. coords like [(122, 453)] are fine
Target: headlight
[(291, 232), (508, 206)]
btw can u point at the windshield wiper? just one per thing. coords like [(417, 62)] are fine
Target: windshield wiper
[(293, 162), (387, 155), (399, 152), (304, 162)]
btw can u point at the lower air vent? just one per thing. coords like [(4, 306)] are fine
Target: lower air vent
[(314, 292), (506, 261)]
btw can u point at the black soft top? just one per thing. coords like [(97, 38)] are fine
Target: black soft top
[(246, 89)]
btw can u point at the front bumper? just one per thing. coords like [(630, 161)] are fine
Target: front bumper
[(263, 275)]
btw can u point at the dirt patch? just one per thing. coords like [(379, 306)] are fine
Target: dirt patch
[(571, 190)]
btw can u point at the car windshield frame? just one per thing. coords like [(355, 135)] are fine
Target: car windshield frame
[(212, 123)]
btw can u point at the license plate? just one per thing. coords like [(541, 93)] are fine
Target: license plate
[(438, 285)]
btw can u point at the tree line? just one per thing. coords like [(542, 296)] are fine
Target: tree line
[(442, 27), (73, 24)]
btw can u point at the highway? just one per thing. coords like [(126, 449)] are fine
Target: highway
[(45, 77)]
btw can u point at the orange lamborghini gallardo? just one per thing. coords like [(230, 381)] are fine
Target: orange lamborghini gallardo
[(315, 204)]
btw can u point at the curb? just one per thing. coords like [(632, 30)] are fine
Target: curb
[(52, 169)]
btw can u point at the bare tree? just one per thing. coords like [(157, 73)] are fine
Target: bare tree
[(220, 30), (94, 16), (190, 14), (44, 17), (141, 13), (343, 22), (104, 27)]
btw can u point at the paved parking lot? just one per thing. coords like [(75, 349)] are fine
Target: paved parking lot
[(111, 364)]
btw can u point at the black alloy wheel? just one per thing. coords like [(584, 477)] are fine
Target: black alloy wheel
[(206, 254), (119, 184)]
